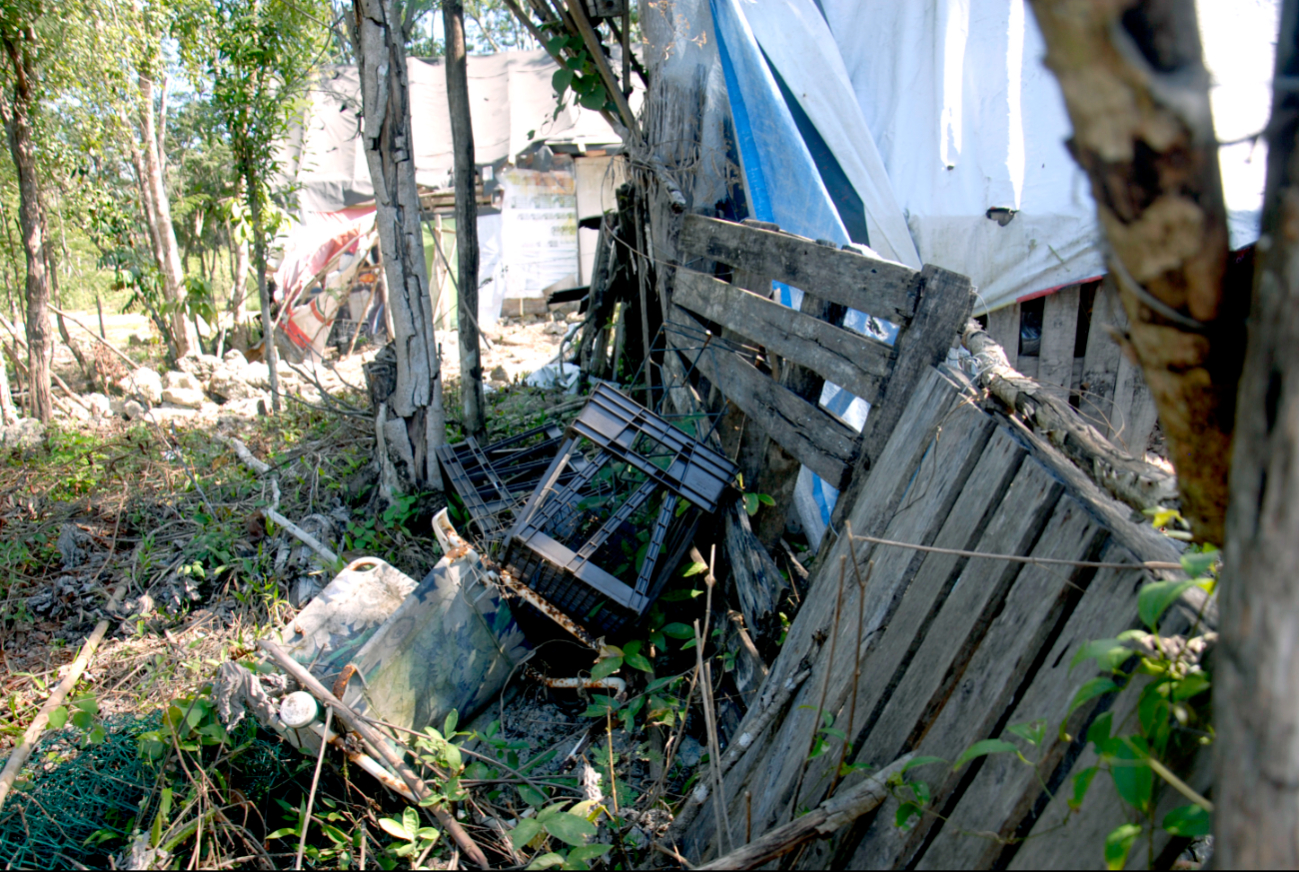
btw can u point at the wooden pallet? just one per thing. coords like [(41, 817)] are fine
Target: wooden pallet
[(937, 651), (1080, 355)]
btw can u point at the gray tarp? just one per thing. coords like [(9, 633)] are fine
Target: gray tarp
[(510, 97)]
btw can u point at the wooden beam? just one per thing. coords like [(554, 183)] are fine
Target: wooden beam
[(1003, 326), (879, 287), (1101, 359), (946, 300), (822, 443), (1059, 332), (841, 356)]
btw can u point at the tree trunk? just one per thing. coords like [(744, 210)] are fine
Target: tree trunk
[(412, 422), (462, 139), (269, 353), (1137, 94), (158, 215), (17, 115), (238, 295), (1256, 684)]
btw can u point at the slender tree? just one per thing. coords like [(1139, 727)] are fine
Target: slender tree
[(19, 102), (462, 139), (412, 421)]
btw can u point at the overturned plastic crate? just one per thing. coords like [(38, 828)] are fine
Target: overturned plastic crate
[(495, 481), (614, 513)]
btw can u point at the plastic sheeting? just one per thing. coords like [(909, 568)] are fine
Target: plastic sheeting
[(919, 125)]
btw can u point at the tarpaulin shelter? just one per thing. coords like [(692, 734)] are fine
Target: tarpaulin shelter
[(932, 132)]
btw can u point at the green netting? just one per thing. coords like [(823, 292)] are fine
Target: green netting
[(79, 804)]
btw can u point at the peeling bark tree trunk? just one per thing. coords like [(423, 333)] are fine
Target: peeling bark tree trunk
[(412, 421), (1137, 94), (16, 109), (1256, 684), (158, 215), (462, 138)]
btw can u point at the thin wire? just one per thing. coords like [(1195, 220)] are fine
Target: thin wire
[(1015, 558)]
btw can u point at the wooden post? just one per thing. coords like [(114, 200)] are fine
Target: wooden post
[(462, 139)]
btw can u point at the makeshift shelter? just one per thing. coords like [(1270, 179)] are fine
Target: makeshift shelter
[(536, 167)]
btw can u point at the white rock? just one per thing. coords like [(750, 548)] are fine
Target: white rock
[(117, 405), (133, 410), (186, 398), (229, 384), (180, 381), (258, 375), (26, 433), (143, 383), (99, 404), (235, 358)]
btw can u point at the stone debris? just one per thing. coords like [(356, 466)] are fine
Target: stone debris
[(27, 433)]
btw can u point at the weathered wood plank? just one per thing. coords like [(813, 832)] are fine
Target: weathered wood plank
[(1059, 332), (879, 287), (845, 358), (943, 474), (1005, 790), (1134, 413), (946, 300), (972, 593), (822, 443), (983, 689), (939, 403), (1003, 326), (1101, 359)]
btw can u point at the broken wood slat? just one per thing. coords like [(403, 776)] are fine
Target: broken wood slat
[(1134, 413), (878, 287), (946, 300), (938, 400), (973, 594), (1100, 360), (758, 585), (1005, 790), (822, 443), (750, 669), (1003, 326), (931, 577), (1059, 332), (914, 507), (977, 697), (845, 358)]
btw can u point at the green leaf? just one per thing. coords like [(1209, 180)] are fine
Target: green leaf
[(394, 828), (1099, 731), (410, 820), (588, 852), (1118, 843), (556, 44), (766, 499), (639, 661), (679, 631), (1188, 820), (605, 667), (58, 718), (1090, 690), (87, 704), (695, 569), (1031, 733), (1157, 596), (1104, 651), (561, 79), (1200, 564), (524, 833), (752, 504), (921, 761), (981, 749), (570, 828), (906, 812), (82, 720), (449, 725), (1081, 782), (921, 792), (1133, 778), (532, 796), (546, 861), (1193, 684)]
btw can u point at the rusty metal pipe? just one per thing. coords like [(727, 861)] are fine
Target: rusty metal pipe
[(617, 685)]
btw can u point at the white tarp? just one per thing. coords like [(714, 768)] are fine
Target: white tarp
[(966, 118)]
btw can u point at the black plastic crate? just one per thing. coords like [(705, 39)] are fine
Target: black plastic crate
[(496, 480), (614, 513)]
